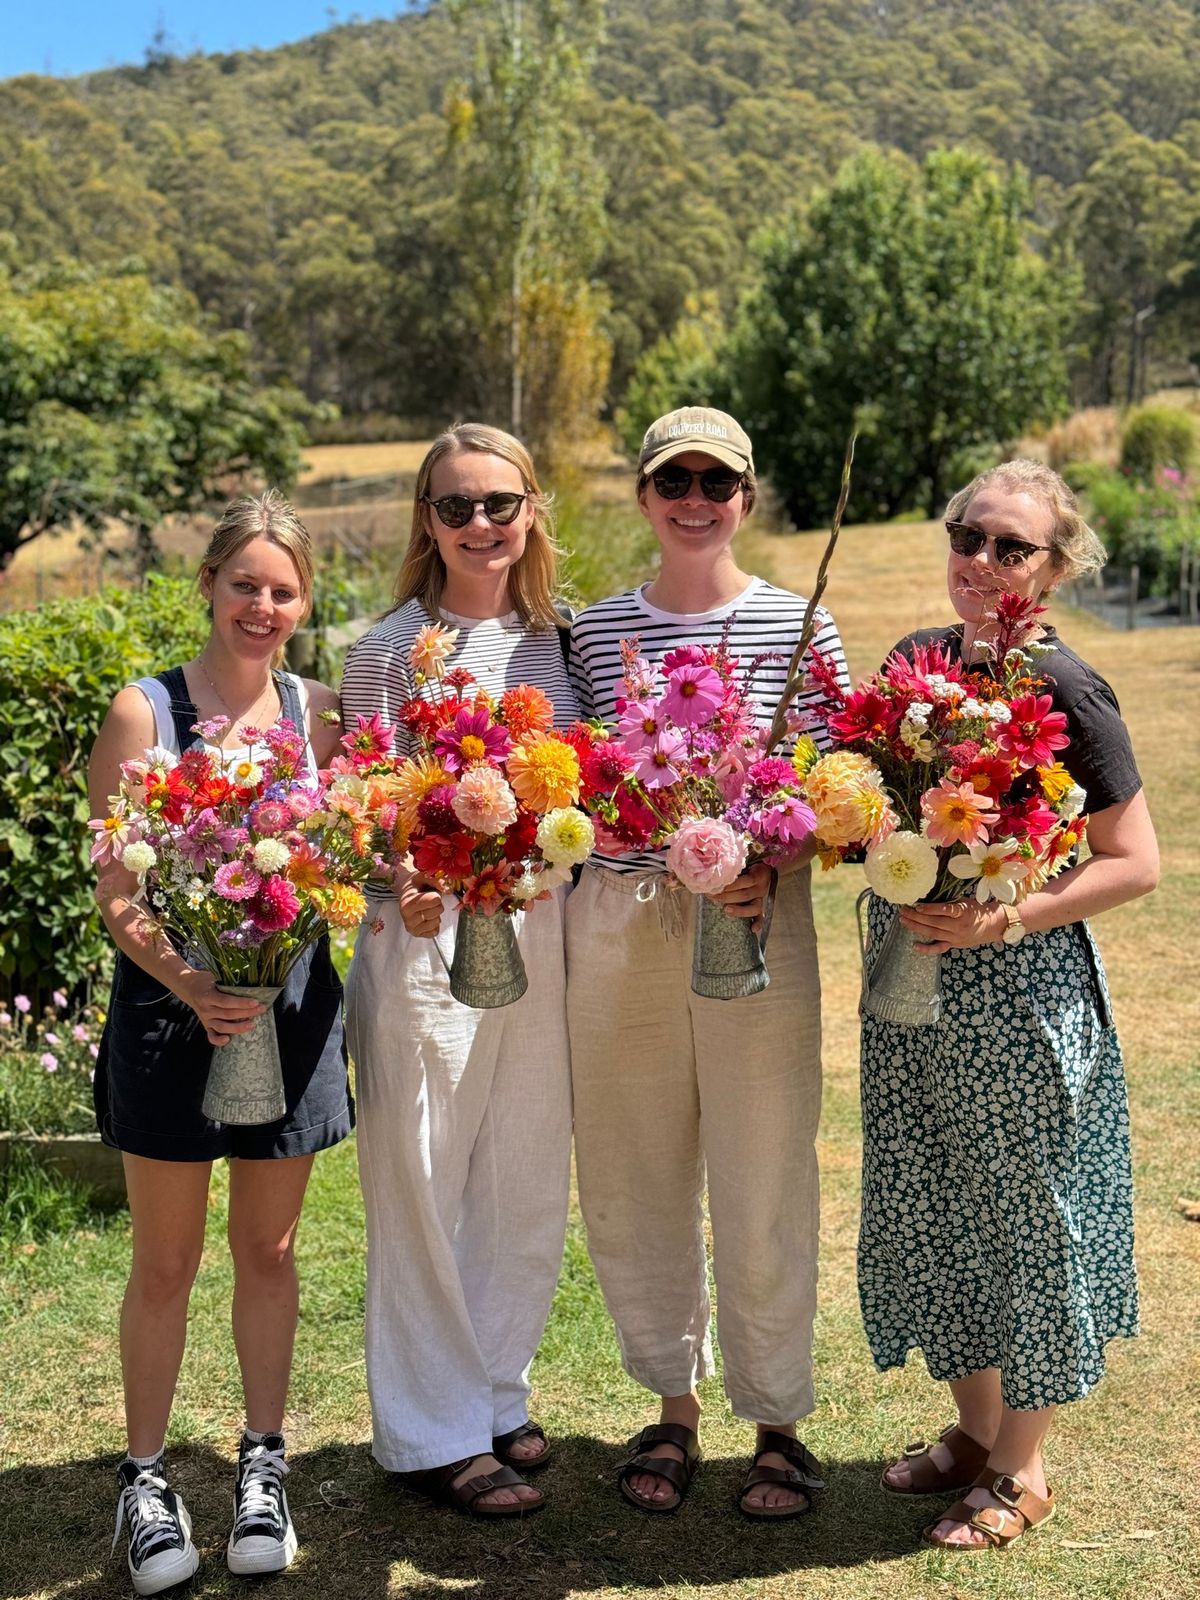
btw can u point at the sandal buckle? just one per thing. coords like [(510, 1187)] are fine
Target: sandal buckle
[(917, 1448), (1009, 1490)]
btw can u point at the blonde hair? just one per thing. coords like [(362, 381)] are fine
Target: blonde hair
[(1075, 549), (262, 516), (531, 579)]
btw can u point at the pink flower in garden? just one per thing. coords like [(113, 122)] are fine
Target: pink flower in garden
[(786, 824), (23, 1004), (93, 1051), (275, 906), (771, 773), (370, 741), (470, 741), (60, 999), (692, 695), (5, 1019), (50, 1062), (213, 730), (656, 765), (79, 1033), (706, 854), (236, 881), (956, 813), (51, 1038), (484, 801)]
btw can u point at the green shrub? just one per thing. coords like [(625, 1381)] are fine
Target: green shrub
[(1159, 436), (606, 548), (60, 667), (46, 1066), (1144, 522)]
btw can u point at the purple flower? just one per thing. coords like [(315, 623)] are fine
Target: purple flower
[(23, 1004), (50, 1062), (471, 741), (693, 694)]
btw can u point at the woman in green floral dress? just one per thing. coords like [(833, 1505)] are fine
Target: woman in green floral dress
[(997, 1230)]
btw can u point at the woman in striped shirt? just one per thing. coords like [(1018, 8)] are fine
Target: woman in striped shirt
[(464, 1115), (672, 1089)]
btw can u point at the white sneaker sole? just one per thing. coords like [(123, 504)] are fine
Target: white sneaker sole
[(171, 1567), (262, 1555)]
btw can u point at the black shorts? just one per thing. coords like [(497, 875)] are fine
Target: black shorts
[(154, 1059)]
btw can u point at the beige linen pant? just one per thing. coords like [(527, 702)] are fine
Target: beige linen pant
[(464, 1142), (671, 1087)]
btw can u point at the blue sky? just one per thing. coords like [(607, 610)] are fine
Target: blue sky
[(64, 37)]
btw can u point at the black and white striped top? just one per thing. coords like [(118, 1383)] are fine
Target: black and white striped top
[(764, 618)]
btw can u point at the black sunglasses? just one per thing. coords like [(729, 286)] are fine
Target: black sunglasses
[(716, 483), (966, 540), (456, 510)]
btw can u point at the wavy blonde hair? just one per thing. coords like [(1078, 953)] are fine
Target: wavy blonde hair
[(532, 578), (1075, 548), (262, 516)]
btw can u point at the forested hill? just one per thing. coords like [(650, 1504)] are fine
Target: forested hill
[(302, 194)]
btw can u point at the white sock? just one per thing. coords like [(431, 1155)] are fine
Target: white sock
[(254, 1436), (144, 1463)]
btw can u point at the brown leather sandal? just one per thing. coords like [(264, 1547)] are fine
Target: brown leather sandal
[(969, 1460), (437, 1484), (1020, 1511), (678, 1474), (503, 1442), (803, 1475)]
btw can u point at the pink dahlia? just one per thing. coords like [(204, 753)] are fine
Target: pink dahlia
[(771, 773), (1034, 733), (275, 906), (706, 854), (956, 813), (484, 802), (472, 740), (236, 881)]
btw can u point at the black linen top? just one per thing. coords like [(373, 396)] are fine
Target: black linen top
[(1100, 756)]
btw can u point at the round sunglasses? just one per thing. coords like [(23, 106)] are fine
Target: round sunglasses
[(456, 510), (967, 540), (716, 483)]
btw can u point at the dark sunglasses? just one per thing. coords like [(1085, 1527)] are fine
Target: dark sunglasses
[(966, 540), (456, 510), (716, 483)]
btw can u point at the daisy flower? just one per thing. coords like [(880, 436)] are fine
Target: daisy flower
[(997, 867)]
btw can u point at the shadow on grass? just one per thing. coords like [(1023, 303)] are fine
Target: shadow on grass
[(361, 1531)]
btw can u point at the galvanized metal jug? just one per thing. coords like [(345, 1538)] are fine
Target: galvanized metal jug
[(245, 1080)]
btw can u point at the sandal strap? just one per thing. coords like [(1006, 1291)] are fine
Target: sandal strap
[(1019, 1510), (803, 1464), (667, 1433), (967, 1456), (475, 1488), (787, 1479), (524, 1430), (677, 1473)]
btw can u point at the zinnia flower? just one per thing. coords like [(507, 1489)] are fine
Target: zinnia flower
[(471, 741), (902, 869), (692, 695), (998, 867), (526, 709), (706, 854), (484, 802), (544, 772), (956, 813), (432, 648), (566, 837)]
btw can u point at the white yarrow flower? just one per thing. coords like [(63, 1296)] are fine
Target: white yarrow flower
[(902, 869), (998, 867), (999, 714)]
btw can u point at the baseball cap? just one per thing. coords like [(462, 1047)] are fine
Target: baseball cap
[(696, 428)]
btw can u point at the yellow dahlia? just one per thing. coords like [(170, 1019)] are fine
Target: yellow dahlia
[(544, 772), (846, 792), (1057, 783), (342, 906)]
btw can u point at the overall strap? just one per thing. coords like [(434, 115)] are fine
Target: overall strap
[(183, 712), (289, 700), (564, 634)]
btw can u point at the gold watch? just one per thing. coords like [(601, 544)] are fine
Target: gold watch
[(1016, 929)]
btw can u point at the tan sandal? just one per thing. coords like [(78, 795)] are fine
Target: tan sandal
[(968, 1459), (1020, 1511)]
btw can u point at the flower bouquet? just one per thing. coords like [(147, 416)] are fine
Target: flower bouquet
[(486, 809), (243, 866), (684, 768), (949, 780)]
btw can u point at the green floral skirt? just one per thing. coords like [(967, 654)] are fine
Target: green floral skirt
[(997, 1221)]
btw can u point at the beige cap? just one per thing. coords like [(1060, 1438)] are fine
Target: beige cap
[(716, 433)]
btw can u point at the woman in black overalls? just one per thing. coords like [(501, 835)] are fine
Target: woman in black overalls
[(164, 1020)]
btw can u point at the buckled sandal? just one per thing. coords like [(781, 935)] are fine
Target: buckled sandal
[(503, 1442), (1020, 1511), (437, 1484), (969, 1458), (678, 1474), (803, 1475)]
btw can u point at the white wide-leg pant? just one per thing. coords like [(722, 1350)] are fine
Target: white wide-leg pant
[(464, 1137), (672, 1091)]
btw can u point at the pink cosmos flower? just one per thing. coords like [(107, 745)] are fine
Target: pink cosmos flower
[(639, 724), (470, 742), (786, 825), (484, 802), (275, 906), (236, 881), (692, 695), (956, 813), (1034, 733), (659, 763), (706, 855)]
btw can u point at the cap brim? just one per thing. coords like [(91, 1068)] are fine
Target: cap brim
[(724, 453)]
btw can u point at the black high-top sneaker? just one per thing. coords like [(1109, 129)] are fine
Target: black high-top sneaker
[(161, 1552), (263, 1539)]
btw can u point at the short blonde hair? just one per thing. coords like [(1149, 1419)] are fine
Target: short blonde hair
[(1075, 548), (532, 579), (263, 516)]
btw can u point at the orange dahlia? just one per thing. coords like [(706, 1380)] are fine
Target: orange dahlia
[(544, 772), (526, 709), (343, 906)]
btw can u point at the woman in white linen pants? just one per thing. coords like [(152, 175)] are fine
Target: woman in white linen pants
[(670, 1088), (464, 1115)]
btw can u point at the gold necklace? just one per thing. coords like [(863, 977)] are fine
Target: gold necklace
[(223, 703)]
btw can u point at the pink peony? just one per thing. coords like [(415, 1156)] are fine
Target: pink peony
[(484, 802), (706, 855), (275, 906)]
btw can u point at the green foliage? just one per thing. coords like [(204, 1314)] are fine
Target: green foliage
[(1147, 522), (904, 302), (116, 402), (606, 548), (680, 369), (61, 667), (37, 1205), (1159, 436)]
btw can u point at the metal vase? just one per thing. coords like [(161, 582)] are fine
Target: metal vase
[(487, 970), (727, 956), (902, 985), (245, 1080)]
